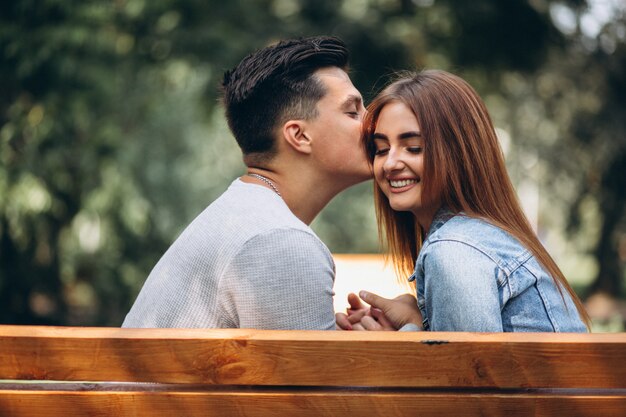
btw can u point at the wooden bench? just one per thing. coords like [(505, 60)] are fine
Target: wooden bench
[(63, 371)]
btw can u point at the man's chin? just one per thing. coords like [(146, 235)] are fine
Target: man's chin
[(363, 177), (366, 173)]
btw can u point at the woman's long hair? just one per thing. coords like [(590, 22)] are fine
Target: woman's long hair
[(463, 168)]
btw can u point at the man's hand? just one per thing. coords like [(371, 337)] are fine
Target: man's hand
[(386, 313), (376, 320), (350, 320)]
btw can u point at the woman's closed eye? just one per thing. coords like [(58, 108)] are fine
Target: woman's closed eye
[(411, 149)]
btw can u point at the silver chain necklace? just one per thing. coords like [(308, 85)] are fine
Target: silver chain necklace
[(267, 181)]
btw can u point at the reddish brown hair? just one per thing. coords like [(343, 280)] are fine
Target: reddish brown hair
[(463, 166)]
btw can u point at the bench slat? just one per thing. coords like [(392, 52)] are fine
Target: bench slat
[(168, 404), (275, 358)]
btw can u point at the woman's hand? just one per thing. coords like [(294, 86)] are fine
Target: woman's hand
[(386, 313)]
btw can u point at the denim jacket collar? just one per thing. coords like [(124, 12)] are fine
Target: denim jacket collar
[(441, 217)]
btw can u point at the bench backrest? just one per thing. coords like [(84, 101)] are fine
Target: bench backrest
[(170, 372)]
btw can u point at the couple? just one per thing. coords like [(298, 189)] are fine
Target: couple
[(443, 198)]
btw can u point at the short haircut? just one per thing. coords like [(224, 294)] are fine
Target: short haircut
[(276, 84)]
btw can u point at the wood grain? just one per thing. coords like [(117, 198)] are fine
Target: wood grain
[(286, 358), (389, 404)]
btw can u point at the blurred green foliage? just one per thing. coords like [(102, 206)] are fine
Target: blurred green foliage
[(111, 139)]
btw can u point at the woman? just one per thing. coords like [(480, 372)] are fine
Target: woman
[(446, 205)]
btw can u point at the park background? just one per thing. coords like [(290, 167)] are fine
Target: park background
[(112, 137)]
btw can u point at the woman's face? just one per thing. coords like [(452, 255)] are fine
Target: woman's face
[(399, 160)]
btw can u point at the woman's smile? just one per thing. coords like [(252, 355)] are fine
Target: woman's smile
[(400, 185)]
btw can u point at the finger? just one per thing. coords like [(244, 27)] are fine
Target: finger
[(358, 326), (374, 300), (382, 319), (355, 302), (376, 313), (370, 324), (357, 316), (342, 321), (350, 312)]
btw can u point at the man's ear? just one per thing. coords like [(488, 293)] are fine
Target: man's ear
[(294, 133)]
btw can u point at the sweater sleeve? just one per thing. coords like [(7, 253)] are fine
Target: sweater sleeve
[(282, 279)]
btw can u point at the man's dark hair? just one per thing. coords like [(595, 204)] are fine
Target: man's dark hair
[(276, 84)]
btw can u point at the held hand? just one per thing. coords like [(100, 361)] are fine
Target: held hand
[(396, 312), (351, 319), (377, 321)]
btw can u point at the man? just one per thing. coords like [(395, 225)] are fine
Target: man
[(250, 259)]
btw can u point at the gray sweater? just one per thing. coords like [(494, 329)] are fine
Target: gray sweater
[(246, 261)]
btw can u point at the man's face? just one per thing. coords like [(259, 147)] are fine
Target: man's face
[(336, 131)]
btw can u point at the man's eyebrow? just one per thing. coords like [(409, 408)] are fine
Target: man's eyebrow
[(352, 99)]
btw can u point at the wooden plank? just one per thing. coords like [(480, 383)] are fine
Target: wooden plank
[(303, 404), (256, 357)]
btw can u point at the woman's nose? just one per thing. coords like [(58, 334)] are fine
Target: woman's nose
[(392, 162)]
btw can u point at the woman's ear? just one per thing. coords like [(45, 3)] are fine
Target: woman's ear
[(294, 133)]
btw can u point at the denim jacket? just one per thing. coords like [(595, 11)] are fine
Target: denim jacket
[(473, 276)]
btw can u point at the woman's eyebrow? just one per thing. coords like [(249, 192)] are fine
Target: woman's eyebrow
[(379, 136), (404, 135), (409, 135)]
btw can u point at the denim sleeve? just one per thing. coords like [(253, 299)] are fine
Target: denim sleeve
[(409, 327), (460, 288)]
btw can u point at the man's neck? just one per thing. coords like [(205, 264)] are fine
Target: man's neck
[(305, 194)]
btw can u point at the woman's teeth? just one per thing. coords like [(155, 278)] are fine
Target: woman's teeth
[(402, 183)]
